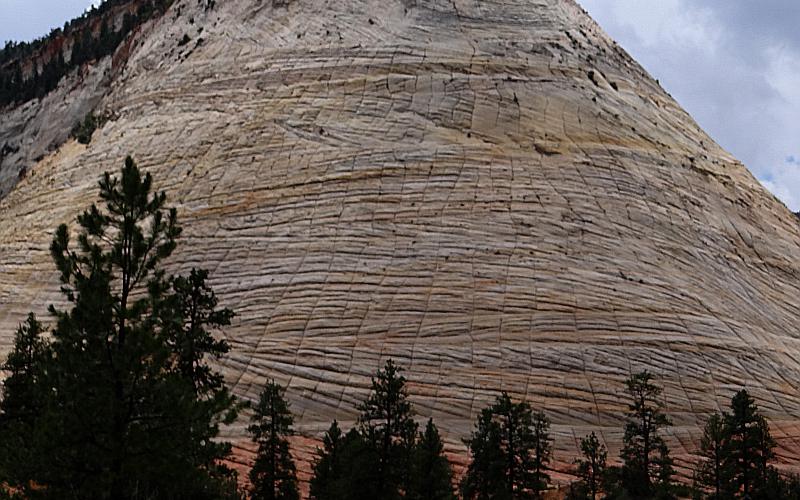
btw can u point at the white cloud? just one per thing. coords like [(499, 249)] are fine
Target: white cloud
[(783, 73), (729, 68), (659, 22), (785, 186)]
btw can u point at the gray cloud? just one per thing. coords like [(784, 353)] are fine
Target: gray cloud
[(734, 65)]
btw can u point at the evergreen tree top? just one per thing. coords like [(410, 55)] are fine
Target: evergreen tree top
[(132, 232), (271, 415), (388, 399), (743, 407), (332, 438)]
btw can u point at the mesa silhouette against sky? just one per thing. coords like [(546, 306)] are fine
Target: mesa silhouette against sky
[(734, 65)]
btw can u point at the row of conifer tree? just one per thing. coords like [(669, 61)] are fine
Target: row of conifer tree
[(386, 455), (117, 400)]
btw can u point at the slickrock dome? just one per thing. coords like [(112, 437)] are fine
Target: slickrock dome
[(492, 193)]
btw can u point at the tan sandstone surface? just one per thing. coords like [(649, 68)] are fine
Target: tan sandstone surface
[(492, 193)]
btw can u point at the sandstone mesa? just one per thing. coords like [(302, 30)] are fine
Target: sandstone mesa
[(492, 193)]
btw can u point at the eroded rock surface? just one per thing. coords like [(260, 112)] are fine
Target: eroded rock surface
[(490, 192), (31, 131)]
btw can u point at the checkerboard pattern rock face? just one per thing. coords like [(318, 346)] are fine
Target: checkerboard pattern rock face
[(492, 193)]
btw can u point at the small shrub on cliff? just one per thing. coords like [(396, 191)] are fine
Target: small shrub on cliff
[(83, 130)]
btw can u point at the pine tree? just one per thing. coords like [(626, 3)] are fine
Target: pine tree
[(592, 467), (23, 401), (431, 477), (542, 449), (328, 466), (118, 421), (358, 479), (386, 421), (662, 486), (103, 44), (645, 457), (22, 398), (187, 317), (751, 446), (510, 452), (486, 475), (190, 338), (273, 476), (577, 490), (714, 472)]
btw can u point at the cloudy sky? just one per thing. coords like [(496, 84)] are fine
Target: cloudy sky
[(733, 64)]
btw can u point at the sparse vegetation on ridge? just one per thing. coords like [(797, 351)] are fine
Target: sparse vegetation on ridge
[(30, 70)]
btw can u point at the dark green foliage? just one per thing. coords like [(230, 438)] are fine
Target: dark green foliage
[(663, 488), (737, 449), (22, 403), (354, 476), (578, 490), (16, 87), (194, 307), (647, 467), (273, 476), (542, 448), (83, 130), (510, 451), (386, 424), (187, 317), (777, 487), (328, 466), (24, 368), (118, 419), (613, 484), (714, 472), (592, 467), (377, 459), (431, 477), (750, 447), (485, 477)]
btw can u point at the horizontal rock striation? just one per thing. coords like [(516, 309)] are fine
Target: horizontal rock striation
[(492, 193)]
